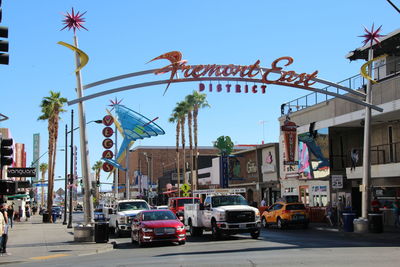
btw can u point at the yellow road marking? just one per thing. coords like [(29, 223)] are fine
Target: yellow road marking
[(49, 257)]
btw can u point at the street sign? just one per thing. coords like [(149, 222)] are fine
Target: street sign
[(337, 181), (60, 192), (21, 172), (186, 194), (185, 188)]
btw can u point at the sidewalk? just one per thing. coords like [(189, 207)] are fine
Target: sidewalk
[(390, 233), (35, 241)]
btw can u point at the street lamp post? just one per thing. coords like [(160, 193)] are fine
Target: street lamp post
[(71, 180), (66, 175)]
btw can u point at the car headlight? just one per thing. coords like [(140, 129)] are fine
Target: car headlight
[(258, 213), (222, 216), (147, 230), (122, 220), (180, 228)]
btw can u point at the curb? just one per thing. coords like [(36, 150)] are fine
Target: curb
[(98, 251)]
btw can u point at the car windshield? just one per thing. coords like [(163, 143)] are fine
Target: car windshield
[(228, 200), (182, 202), (295, 207), (158, 215), (136, 205)]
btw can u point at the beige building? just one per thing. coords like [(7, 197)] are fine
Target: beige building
[(330, 134)]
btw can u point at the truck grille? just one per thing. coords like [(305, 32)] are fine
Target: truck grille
[(238, 216)]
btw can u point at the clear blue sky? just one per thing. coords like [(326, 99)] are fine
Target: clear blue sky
[(124, 35)]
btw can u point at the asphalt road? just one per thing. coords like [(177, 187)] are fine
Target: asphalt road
[(292, 247)]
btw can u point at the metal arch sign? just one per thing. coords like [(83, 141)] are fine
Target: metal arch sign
[(277, 74)]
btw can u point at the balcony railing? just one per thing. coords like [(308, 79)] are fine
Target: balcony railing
[(380, 154), (356, 82)]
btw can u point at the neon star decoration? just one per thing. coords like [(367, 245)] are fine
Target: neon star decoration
[(371, 36), (74, 21)]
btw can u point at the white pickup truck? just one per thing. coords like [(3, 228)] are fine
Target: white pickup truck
[(123, 213), (223, 214)]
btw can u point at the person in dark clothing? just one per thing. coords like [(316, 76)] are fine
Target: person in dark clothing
[(3, 245), (10, 213)]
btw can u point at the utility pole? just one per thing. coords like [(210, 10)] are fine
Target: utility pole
[(66, 175), (71, 171)]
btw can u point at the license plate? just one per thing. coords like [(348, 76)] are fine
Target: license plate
[(241, 226), (298, 217)]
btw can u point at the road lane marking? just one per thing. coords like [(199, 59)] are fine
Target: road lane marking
[(49, 257)]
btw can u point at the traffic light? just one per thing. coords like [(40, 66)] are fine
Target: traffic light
[(6, 152), (81, 182), (4, 57), (98, 183)]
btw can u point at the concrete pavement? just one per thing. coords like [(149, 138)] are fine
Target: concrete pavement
[(37, 241)]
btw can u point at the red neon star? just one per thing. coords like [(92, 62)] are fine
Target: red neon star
[(115, 102), (371, 36), (74, 21)]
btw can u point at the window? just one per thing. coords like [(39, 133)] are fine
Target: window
[(137, 205), (182, 202)]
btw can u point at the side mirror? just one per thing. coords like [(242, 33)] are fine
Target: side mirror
[(110, 211), (201, 206)]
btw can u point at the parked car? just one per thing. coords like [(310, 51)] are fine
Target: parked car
[(283, 214), (157, 225), (162, 207), (78, 207), (57, 210)]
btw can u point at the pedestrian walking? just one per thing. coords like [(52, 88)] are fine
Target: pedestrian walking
[(10, 214), (329, 213), (396, 212), (2, 225), (4, 236), (340, 209), (27, 212), (263, 203)]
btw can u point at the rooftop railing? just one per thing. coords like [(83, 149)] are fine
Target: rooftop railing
[(356, 82)]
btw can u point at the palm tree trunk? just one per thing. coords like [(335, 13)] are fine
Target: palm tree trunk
[(196, 151), (56, 114), (177, 157), (42, 189), (184, 150), (190, 122), (50, 168)]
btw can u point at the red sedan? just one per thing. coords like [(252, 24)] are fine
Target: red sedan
[(157, 225)]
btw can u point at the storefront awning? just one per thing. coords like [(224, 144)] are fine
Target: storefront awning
[(18, 196)]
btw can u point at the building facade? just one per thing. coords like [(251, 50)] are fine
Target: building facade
[(329, 138)]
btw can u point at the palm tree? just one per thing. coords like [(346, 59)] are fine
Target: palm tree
[(43, 170), (183, 107), (190, 107), (51, 108), (175, 119), (97, 169), (198, 101)]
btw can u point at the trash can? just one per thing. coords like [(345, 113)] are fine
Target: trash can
[(46, 217), (360, 225), (375, 222), (101, 232), (348, 219)]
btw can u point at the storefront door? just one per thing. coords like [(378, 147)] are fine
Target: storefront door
[(304, 194)]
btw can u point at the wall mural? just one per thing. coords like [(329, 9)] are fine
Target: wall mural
[(313, 154)]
